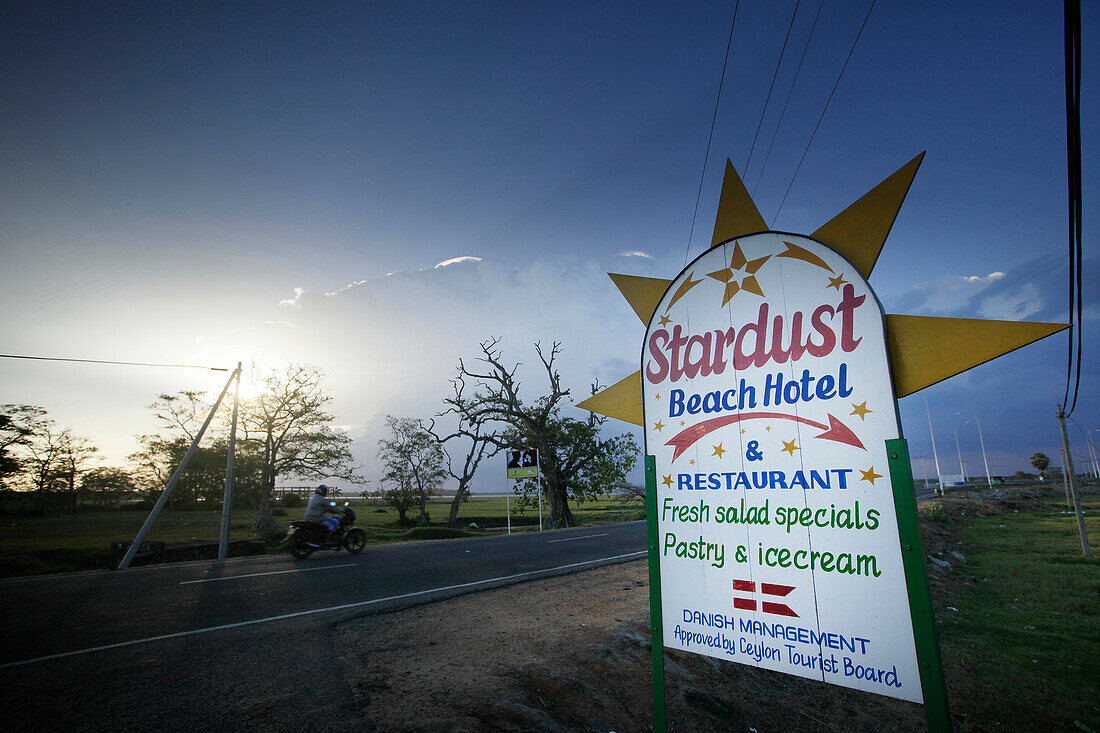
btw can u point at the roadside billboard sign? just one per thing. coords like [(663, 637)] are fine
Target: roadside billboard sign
[(768, 401)]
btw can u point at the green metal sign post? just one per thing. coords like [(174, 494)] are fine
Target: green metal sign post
[(916, 581), (656, 627)]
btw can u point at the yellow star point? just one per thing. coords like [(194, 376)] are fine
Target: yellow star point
[(682, 423), (790, 447), (836, 282), (768, 428), (692, 462), (667, 481), (665, 320), (861, 409), (656, 396), (658, 425), (870, 475), (718, 450)]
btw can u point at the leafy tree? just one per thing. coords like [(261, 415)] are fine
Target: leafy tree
[(576, 460), (475, 435), (414, 461), (400, 494), (287, 427), (18, 424), (181, 416), (1040, 461), (106, 485)]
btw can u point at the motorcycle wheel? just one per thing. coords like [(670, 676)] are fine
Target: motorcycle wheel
[(300, 550), (355, 541)]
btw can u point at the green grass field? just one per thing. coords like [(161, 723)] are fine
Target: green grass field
[(1022, 638), (65, 542)]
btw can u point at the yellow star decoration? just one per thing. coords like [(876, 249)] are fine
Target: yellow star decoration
[(861, 409), (738, 263), (657, 397), (658, 425), (665, 320), (718, 450), (870, 475), (836, 282), (692, 462), (682, 423), (790, 447), (667, 481), (768, 428), (917, 345), (743, 431)]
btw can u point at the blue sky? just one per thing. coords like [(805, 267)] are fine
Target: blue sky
[(211, 182)]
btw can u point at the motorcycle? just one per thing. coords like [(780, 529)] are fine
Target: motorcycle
[(304, 538)]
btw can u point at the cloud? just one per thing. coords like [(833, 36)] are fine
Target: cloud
[(1033, 291), (391, 344), (636, 253), (295, 302), (455, 260)]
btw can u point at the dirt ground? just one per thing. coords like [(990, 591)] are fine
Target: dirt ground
[(572, 654)]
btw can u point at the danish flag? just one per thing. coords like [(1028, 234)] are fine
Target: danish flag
[(770, 589)]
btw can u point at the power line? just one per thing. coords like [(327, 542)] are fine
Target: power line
[(823, 110), (105, 361), (775, 75), (783, 112), (710, 137)]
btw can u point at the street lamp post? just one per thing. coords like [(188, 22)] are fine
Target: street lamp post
[(939, 482), (988, 479)]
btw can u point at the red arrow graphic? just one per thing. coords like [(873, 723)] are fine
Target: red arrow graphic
[(835, 430)]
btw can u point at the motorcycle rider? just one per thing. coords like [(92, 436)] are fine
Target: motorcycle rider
[(318, 506)]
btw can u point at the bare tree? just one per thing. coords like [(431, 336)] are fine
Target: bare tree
[(575, 459), (481, 444), (414, 460), (73, 461)]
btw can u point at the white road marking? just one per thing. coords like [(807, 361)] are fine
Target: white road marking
[(273, 572), (570, 539), (283, 617)]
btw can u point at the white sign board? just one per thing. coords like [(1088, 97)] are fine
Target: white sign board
[(768, 398)]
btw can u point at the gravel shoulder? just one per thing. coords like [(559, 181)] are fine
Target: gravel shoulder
[(572, 654)]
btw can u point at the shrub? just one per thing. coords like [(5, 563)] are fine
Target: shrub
[(291, 501), (933, 512)]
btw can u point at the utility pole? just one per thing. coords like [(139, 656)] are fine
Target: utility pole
[(935, 456), (1085, 549), (227, 500)]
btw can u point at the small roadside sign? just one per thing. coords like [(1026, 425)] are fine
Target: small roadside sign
[(523, 463)]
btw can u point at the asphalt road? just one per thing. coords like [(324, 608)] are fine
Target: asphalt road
[(244, 644)]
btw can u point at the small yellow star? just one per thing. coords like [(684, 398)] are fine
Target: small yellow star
[(768, 427), (658, 425), (667, 481), (718, 450), (870, 475), (657, 396), (682, 423), (665, 320), (836, 282), (742, 431), (692, 461), (790, 447), (861, 409)]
